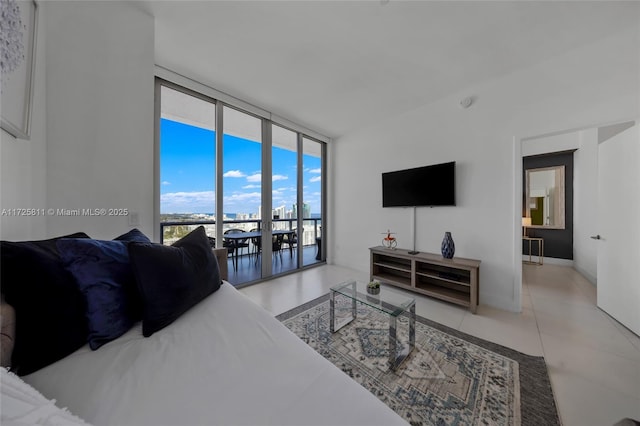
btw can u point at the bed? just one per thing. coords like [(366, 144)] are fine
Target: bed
[(224, 361)]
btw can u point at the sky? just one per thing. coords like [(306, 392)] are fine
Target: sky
[(187, 173)]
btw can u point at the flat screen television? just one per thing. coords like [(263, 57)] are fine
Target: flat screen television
[(433, 185)]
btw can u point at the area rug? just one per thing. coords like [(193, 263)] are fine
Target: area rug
[(450, 378)]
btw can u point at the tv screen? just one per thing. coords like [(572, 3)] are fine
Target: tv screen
[(433, 185)]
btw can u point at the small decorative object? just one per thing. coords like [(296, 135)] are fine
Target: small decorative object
[(448, 247), (373, 287), (388, 241)]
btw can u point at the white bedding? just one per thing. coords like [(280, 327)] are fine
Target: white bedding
[(22, 405), (227, 361)]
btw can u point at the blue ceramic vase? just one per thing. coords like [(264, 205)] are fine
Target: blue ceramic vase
[(448, 247)]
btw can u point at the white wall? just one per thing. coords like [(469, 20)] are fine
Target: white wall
[(566, 92), (22, 162), (100, 95), (550, 143)]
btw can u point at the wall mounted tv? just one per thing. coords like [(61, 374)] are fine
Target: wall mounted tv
[(433, 185)]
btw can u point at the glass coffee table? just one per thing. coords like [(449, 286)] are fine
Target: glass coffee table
[(389, 303)]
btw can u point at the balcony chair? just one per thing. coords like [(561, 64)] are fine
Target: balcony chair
[(276, 247), (256, 243), (235, 246), (291, 240)]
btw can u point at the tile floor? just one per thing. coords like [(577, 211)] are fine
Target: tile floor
[(594, 362)]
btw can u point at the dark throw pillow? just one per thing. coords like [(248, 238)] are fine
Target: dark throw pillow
[(172, 279), (133, 235), (50, 309), (103, 273)]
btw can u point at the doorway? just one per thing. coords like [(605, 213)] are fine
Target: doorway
[(586, 142)]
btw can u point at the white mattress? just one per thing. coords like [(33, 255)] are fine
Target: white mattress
[(227, 361)]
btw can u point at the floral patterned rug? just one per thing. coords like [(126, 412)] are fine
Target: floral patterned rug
[(449, 378)]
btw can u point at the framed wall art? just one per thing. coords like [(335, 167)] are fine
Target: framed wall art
[(18, 22)]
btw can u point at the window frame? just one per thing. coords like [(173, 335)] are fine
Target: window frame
[(165, 77)]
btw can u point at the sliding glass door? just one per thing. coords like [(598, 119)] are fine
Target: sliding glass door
[(256, 185), (242, 146), (284, 197), (312, 204)]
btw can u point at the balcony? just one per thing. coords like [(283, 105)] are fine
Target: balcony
[(248, 267)]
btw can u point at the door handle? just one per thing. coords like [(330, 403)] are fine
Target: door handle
[(596, 237)]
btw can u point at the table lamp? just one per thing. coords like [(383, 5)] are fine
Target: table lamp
[(526, 222)]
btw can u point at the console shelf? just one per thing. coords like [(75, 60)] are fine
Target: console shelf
[(453, 280)]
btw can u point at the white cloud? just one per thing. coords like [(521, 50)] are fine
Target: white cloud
[(243, 196), (242, 202), (315, 171), (315, 179), (256, 177), (251, 186), (166, 182), (234, 174), (188, 200)]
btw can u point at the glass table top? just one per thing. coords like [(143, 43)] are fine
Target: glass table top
[(386, 301)]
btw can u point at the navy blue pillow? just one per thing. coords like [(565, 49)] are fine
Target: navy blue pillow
[(103, 273), (172, 279), (50, 309), (133, 235)]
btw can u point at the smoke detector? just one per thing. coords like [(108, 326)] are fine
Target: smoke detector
[(466, 102)]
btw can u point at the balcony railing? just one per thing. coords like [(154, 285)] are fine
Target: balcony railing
[(172, 231)]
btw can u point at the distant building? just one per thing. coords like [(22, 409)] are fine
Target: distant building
[(279, 212), (306, 210)]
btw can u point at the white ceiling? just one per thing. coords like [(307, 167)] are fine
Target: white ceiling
[(335, 66)]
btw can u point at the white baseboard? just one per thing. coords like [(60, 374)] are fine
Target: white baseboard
[(593, 280), (548, 260)]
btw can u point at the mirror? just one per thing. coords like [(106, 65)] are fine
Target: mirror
[(545, 197)]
